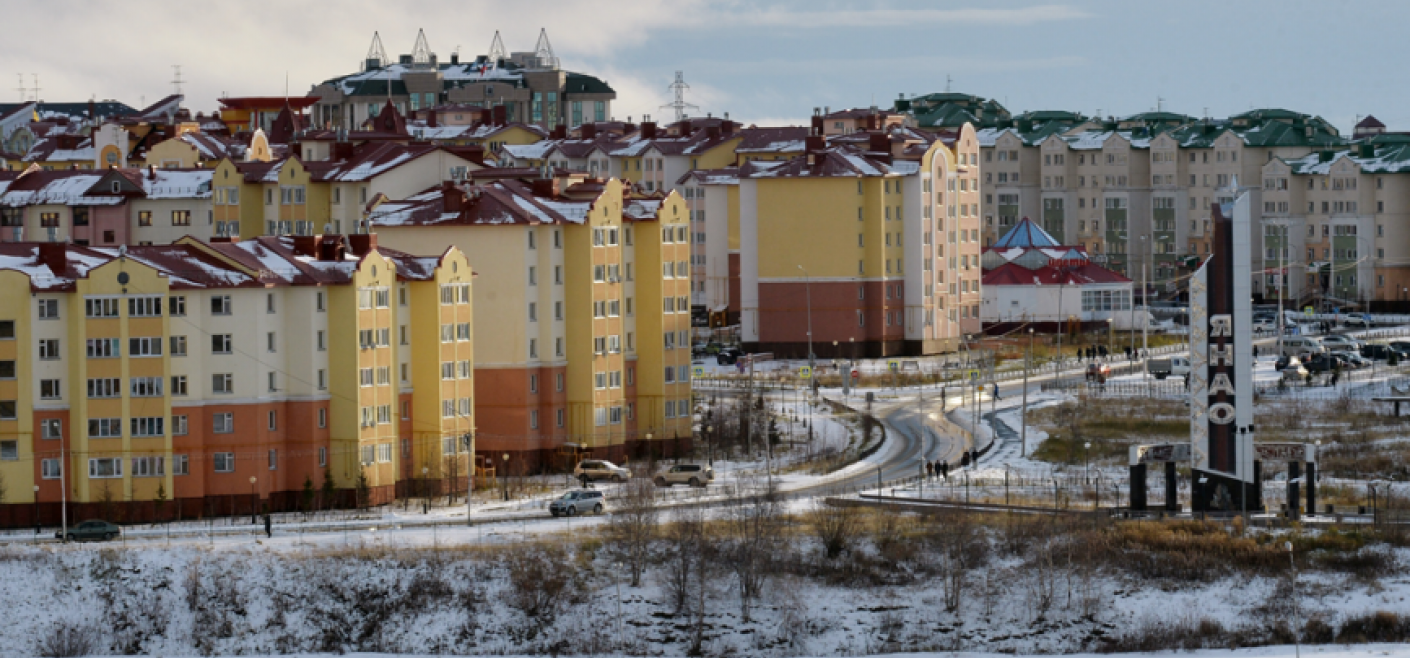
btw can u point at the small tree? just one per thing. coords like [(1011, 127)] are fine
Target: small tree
[(159, 503), (306, 498), (328, 489), (633, 526), (835, 526), (364, 489)]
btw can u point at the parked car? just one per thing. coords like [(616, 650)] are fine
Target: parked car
[(591, 470), (1325, 362), (1302, 345), (93, 530), (1176, 365), (1098, 372), (694, 475), (1336, 341), (1293, 370), (1402, 346), (1378, 351), (574, 503), (1358, 320), (1265, 326), (729, 356), (1351, 358)]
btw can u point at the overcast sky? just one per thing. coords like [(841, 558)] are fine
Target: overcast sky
[(764, 62)]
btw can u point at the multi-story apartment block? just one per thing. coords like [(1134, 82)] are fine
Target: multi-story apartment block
[(890, 264), (1134, 192), (305, 197), (583, 309), (530, 86), (218, 376), (1334, 222), (106, 208)]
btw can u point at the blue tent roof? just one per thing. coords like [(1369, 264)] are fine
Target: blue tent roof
[(1025, 235)]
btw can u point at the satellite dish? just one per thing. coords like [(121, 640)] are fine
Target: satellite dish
[(122, 251)]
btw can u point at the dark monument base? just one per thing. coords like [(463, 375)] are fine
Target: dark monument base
[(1216, 492)]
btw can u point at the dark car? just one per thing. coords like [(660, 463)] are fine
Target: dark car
[(1325, 363), (1381, 352), (1098, 372), (94, 530), (729, 356)]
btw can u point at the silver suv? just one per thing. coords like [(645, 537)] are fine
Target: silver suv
[(591, 470), (694, 475), (574, 503)]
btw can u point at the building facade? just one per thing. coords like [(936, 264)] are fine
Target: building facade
[(221, 378)]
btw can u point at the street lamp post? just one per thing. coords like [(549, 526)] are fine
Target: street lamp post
[(808, 291), (1297, 612), (1023, 429), (1110, 337), (36, 511), (504, 477), (1087, 457), (425, 504), (254, 501), (710, 446)]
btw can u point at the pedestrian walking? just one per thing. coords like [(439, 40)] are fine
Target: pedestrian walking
[(268, 529), (996, 391), (929, 470)]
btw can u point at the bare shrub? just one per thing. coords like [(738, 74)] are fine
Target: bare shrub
[(68, 639), (753, 531), (633, 526), (541, 582), (836, 527)]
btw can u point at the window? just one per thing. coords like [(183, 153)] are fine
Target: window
[(148, 426), (101, 308), (144, 346), (49, 469), (146, 387), (48, 309), (221, 343), (224, 462), (51, 428), (223, 383), (102, 348), (49, 389), (144, 307), (220, 305), (106, 467), (104, 428), (179, 426)]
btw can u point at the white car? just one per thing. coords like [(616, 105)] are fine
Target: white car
[(590, 470), (1337, 341)]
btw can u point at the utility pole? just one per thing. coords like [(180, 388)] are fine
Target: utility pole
[(808, 289), (1145, 300), (1023, 429)]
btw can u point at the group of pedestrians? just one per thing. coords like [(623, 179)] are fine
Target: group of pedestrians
[(936, 470)]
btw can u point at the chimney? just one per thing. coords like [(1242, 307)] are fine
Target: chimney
[(560, 131), (727, 126), (817, 126), (455, 58), (452, 197), (362, 243), (815, 143), (305, 245), (879, 142), (151, 172), (330, 248), (432, 118), (588, 131), (501, 115), (55, 255), (545, 187), (341, 151), (92, 110), (712, 132), (648, 130)]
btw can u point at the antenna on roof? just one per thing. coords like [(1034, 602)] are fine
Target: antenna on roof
[(497, 51), (22, 89), (1159, 104), (376, 53), (421, 52), (948, 80), (679, 105), (176, 78), (543, 51), (36, 87)]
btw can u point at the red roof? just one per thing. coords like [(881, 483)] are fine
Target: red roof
[(268, 102), (1010, 274)]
